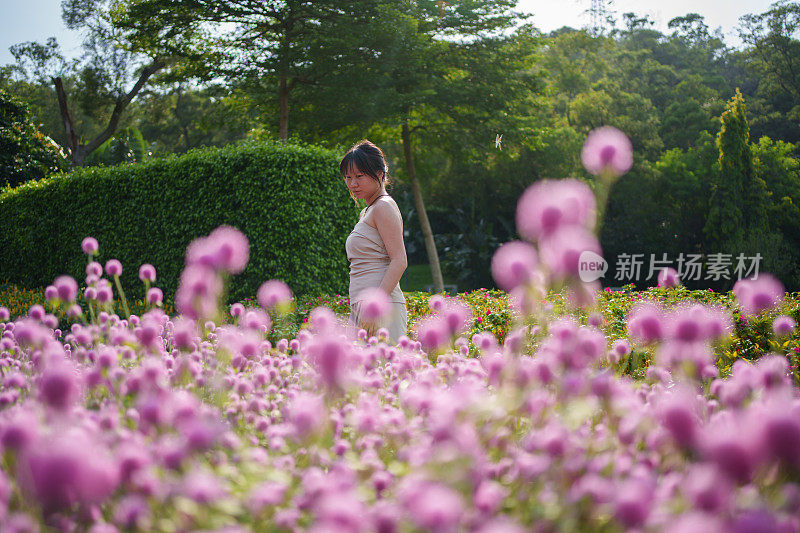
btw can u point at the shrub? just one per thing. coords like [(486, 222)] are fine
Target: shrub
[(286, 199)]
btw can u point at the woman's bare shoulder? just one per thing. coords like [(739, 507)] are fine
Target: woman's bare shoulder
[(388, 209)]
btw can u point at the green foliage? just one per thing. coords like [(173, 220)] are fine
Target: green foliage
[(25, 152), (288, 200), (126, 146), (737, 197)]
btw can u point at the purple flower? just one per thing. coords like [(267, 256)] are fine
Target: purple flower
[(373, 304), (113, 267), (198, 290), (456, 314), (147, 272), (155, 296), (549, 205), (668, 277), (226, 248), (607, 150), (432, 332), (68, 470), (708, 489), (94, 269), (274, 293), (514, 264), (66, 288), (237, 309), (562, 250), (89, 246), (634, 499), (306, 412), (432, 506), (783, 325), (677, 412), (756, 295), (645, 323), (58, 386), (50, 292), (4, 314)]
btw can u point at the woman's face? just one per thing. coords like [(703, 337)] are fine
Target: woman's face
[(360, 184)]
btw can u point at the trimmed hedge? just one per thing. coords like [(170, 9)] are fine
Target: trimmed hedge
[(288, 199)]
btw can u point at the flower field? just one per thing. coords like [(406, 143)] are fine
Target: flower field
[(552, 406)]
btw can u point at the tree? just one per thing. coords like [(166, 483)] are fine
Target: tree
[(25, 153), (115, 58), (269, 49), (737, 204), (461, 90)]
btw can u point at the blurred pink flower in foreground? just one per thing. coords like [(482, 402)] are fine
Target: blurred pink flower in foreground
[(607, 150)]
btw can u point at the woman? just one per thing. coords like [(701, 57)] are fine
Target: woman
[(375, 247)]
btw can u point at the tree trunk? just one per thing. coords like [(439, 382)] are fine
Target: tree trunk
[(283, 99), (427, 234), (79, 151)]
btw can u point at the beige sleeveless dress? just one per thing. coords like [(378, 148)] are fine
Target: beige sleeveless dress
[(368, 264)]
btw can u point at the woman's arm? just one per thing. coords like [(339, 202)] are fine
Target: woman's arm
[(390, 226)]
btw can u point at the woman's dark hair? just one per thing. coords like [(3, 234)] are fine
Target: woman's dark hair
[(367, 158)]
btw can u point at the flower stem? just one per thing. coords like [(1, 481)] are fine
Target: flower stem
[(122, 297)]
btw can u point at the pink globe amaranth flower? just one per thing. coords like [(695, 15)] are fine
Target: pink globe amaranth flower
[(733, 446), (307, 414), (58, 386), (707, 488), (19, 431), (198, 290), (203, 487), (432, 333), (756, 295), (113, 267), (257, 320), (66, 288), (514, 264), (489, 496), (561, 251), (779, 431), (432, 506), (677, 411), (668, 277), (607, 150), (94, 269), (69, 470), (89, 246), (340, 510), (132, 513), (237, 309), (270, 493), (330, 357), (697, 522), (104, 294), (633, 501), (322, 320), (273, 293), (373, 304), (50, 293), (621, 347), (147, 272), (226, 249), (549, 205), (36, 312), (783, 325), (155, 296), (456, 314), (645, 323), (436, 302), (5, 314)]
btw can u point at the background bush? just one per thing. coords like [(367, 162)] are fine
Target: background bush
[(288, 199)]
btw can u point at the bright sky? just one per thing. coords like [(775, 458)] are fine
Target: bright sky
[(36, 20)]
